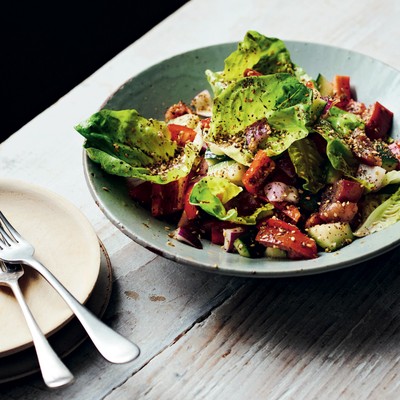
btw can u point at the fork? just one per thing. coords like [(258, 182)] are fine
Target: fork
[(54, 372), (14, 249)]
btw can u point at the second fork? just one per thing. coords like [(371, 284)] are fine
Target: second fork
[(54, 372)]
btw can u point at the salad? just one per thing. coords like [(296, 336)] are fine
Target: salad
[(270, 162)]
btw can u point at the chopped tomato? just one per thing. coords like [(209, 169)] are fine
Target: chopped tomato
[(314, 219), (190, 210), (341, 90), (347, 190), (356, 107), (287, 237), (338, 211), (251, 72), (258, 171), (177, 110), (310, 84), (289, 212), (181, 134), (379, 121), (205, 123)]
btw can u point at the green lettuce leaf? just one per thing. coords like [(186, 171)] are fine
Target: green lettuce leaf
[(337, 151), (281, 99), (343, 122), (308, 163), (211, 193), (391, 177), (383, 216), (129, 145), (263, 54)]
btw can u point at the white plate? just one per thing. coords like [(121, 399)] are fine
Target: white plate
[(65, 243)]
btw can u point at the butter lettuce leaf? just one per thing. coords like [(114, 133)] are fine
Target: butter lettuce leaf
[(126, 144), (308, 163), (343, 122), (211, 194), (337, 150), (391, 177), (280, 99), (383, 216), (256, 51)]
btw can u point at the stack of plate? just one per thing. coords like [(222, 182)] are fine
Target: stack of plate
[(67, 245)]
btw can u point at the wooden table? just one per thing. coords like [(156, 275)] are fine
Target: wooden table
[(203, 335)]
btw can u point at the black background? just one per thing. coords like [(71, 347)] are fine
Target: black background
[(49, 48)]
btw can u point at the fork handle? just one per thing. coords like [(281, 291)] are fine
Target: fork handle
[(111, 345), (54, 372)]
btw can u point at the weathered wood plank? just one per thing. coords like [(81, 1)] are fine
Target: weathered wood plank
[(324, 337), (154, 305)]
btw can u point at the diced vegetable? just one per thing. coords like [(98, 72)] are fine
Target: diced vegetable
[(185, 235), (337, 211), (324, 86), (341, 90), (279, 192), (379, 121), (181, 134), (331, 236), (347, 190), (372, 176), (169, 198), (274, 252), (230, 169), (287, 237), (247, 246), (230, 235), (257, 173), (202, 103)]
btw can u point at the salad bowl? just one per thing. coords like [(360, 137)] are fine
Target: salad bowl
[(181, 78)]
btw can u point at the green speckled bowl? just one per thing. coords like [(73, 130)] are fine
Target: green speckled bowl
[(180, 78)]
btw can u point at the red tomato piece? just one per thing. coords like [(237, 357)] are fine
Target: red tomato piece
[(287, 237), (177, 110), (379, 122), (251, 72), (191, 210), (181, 134), (347, 190), (288, 212), (205, 123), (258, 171), (341, 90)]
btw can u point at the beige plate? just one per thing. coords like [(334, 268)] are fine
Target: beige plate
[(65, 243), (64, 341)]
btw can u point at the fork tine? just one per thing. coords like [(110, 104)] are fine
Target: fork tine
[(4, 238), (12, 232)]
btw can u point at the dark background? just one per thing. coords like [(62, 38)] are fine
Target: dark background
[(49, 48)]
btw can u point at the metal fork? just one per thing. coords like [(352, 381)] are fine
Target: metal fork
[(112, 346), (54, 372)]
